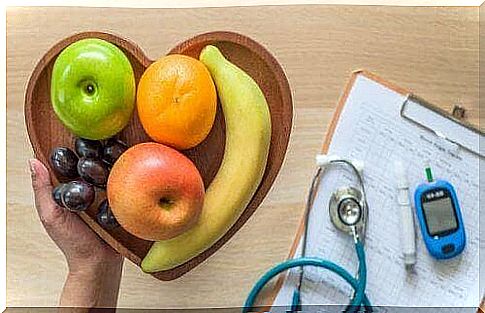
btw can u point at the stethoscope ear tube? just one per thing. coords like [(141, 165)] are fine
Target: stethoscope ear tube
[(359, 299)]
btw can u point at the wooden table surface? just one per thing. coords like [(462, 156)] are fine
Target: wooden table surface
[(432, 51)]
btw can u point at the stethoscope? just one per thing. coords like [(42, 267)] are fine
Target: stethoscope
[(348, 210)]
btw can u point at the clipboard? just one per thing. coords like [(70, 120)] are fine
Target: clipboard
[(410, 98)]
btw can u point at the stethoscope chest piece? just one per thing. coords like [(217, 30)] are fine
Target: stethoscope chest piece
[(348, 211)]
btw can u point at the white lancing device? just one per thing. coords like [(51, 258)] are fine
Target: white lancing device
[(408, 234)]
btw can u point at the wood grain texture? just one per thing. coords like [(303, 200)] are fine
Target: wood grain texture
[(431, 51), (46, 132)]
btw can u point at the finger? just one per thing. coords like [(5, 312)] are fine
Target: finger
[(46, 207)]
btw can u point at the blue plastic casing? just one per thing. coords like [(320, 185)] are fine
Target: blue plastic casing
[(447, 244)]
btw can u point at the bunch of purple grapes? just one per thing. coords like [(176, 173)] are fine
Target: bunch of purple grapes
[(84, 170)]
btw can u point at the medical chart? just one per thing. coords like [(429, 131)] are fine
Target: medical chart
[(371, 129)]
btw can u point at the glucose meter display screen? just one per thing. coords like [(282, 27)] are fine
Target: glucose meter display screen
[(440, 215)]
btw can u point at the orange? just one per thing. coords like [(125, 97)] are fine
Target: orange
[(177, 101)]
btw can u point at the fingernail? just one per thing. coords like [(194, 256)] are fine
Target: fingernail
[(31, 167)]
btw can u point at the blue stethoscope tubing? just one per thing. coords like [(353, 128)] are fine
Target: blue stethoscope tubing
[(359, 299)]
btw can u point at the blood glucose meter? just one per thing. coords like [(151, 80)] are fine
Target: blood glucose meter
[(439, 217)]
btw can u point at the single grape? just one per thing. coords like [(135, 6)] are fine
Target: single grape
[(64, 162), (57, 193), (93, 171), (113, 149), (77, 196), (105, 216), (86, 148)]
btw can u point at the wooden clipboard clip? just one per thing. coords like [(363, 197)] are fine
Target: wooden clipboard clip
[(456, 117)]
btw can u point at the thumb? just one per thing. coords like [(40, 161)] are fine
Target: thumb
[(46, 207)]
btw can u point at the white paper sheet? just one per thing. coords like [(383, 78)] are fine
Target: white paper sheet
[(371, 129)]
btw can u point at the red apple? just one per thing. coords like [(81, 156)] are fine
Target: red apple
[(155, 192)]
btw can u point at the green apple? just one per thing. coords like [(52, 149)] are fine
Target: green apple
[(93, 88)]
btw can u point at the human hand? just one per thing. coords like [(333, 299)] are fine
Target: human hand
[(94, 267)]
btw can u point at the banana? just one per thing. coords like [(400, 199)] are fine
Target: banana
[(248, 136)]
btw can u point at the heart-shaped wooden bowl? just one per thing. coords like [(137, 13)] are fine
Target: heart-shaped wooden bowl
[(46, 132)]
